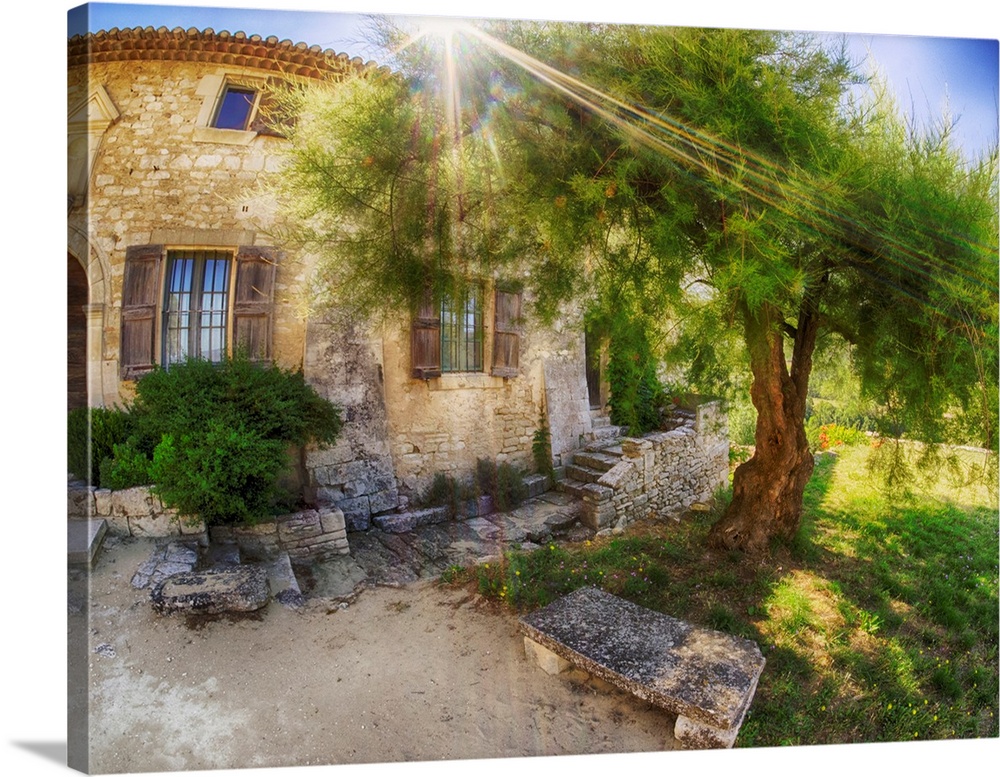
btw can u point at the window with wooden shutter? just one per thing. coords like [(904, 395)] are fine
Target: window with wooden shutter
[(253, 300), (140, 297), (506, 333), (426, 339)]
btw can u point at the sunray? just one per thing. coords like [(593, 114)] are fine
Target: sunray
[(767, 182)]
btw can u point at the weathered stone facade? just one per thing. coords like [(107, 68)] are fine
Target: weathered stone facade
[(149, 170)]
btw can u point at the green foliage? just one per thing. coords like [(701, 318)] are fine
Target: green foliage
[(221, 473), (504, 482), (636, 394), (447, 491), (218, 435), (541, 449), (126, 467), (724, 179), (93, 434)]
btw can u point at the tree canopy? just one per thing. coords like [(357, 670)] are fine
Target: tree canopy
[(724, 179)]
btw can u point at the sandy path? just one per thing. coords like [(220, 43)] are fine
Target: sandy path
[(412, 674)]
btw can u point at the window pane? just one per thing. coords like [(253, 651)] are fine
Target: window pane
[(196, 305), (462, 334), (234, 110)]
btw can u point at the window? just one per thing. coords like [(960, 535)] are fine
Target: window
[(195, 305), (204, 303), (462, 333), (450, 337), (236, 108)]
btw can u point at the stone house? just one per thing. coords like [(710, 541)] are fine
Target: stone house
[(169, 255)]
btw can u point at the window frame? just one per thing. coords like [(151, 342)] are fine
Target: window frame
[(236, 87), (196, 310)]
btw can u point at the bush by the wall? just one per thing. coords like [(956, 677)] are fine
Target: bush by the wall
[(92, 435), (541, 449), (447, 491), (128, 466), (504, 482), (220, 435)]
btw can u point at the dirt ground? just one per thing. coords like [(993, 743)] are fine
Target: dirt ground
[(401, 674)]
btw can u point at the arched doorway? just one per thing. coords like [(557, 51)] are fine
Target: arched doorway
[(77, 298)]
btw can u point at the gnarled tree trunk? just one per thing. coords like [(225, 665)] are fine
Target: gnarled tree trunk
[(768, 488)]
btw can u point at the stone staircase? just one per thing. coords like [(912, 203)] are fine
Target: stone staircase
[(587, 465), (603, 430)]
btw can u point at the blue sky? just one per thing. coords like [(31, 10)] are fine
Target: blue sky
[(930, 75)]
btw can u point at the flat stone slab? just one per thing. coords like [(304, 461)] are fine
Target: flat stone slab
[(165, 560), (84, 539), (237, 589), (707, 678)]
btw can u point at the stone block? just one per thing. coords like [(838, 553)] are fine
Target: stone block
[(102, 501), (132, 502), (357, 513), (706, 677), (156, 525), (549, 662), (383, 501), (298, 526), (332, 521), (80, 502), (239, 589)]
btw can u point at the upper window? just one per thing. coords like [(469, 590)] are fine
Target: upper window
[(196, 305), (462, 333), (236, 108)]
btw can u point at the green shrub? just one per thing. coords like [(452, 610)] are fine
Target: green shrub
[(446, 491), (541, 449), (219, 435), (92, 435), (127, 467), (221, 474), (504, 482)]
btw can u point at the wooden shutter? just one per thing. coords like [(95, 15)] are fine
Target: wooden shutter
[(140, 296), (506, 333), (253, 301), (426, 339)]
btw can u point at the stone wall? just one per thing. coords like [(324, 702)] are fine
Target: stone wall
[(662, 473), (135, 512), (344, 364)]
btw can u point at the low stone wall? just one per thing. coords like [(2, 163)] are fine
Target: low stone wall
[(662, 473), (308, 535), (129, 512)]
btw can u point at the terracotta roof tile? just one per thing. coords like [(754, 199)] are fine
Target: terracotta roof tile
[(223, 47)]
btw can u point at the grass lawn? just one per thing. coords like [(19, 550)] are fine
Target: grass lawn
[(879, 622)]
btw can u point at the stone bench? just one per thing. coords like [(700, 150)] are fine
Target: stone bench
[(706, 678)]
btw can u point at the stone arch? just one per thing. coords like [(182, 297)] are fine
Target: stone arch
[(88, 300)]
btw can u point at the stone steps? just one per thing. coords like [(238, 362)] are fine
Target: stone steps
[(599, 460), (584, 474)]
